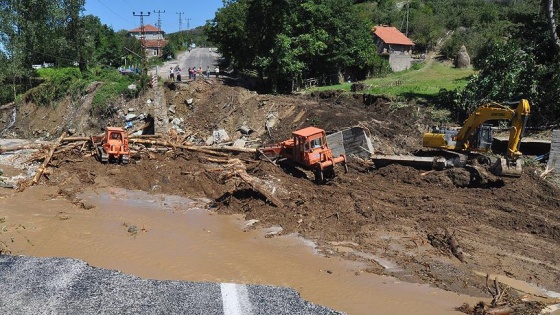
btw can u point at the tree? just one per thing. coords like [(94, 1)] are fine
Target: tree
[(303, 38), (552, 24)]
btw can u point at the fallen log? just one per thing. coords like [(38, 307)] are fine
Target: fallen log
[(229, 149), (21, 147), (75, 139), (48, 157), (239, 171), (71, 147), (505, 310), (7, 106), (176, 146)]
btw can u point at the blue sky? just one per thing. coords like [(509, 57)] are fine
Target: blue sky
[(118, 13)]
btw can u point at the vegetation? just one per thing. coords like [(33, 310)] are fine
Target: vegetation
[(423, 82), (513, 44), (301, 39)]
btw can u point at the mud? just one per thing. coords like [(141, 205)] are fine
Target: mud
[(168, 237), (394, 219)]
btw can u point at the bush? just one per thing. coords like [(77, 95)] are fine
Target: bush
[(115, 86), (58, 83)]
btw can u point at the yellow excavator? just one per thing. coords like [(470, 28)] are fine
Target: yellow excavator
[(474, 136)]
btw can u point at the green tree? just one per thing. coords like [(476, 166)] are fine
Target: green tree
[(301, 39)]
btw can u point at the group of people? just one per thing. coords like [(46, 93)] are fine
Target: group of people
[(175, 73)]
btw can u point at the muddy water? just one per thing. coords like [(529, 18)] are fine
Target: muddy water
[(177, 239)]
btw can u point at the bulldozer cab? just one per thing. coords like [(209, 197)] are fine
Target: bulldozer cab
[(309, 144)]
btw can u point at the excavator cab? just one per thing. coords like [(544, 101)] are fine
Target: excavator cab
[(481, 139)]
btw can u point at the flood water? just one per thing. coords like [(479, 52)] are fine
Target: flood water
[(177, 238)]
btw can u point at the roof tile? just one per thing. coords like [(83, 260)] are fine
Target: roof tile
[(391, 35)]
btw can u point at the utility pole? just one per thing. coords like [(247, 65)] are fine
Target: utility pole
[(159, 18), (188, 23), (143, 41), (159, 12), (180, 20), (407, 10)]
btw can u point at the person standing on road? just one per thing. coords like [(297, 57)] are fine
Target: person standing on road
[(194, 73), (171, 76), (200, 71), (217, 71), (208, 72), (178, 74)]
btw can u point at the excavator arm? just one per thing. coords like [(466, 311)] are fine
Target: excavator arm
[(484, 113), (518, 124)]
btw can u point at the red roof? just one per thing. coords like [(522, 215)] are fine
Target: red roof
[(309, 131), (391, 35), (148, 28), (152, 43)]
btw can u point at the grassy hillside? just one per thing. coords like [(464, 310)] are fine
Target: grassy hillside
[(423, 81)]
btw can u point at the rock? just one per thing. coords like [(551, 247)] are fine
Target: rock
[(172, 109), (71, 131), (357, 87), (130, 117), (463, 59), (130, 110), (189, 101), (177, 121), (132, 87), (149, 101), (86, 205), (239, 143), (220, 135), (209, 140), (132, 229)]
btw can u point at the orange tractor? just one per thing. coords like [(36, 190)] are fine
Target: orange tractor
[(308, 149), (112, 145)]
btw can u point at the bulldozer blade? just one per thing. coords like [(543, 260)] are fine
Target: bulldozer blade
[(503, 167)]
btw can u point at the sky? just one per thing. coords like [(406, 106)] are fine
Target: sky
[(119, 13)]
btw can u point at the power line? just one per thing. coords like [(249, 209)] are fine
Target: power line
[(128, 4), (108, 8), (180, 20)]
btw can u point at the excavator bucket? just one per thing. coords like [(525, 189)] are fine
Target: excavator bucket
[(503, 167)]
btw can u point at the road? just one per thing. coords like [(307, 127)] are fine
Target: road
[(197, 57), (30, 285)]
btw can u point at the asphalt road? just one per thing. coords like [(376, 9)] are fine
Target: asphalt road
[(30, 285), (199, 57)]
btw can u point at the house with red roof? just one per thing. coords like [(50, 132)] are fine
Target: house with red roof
[(152, 37), (395, 45)]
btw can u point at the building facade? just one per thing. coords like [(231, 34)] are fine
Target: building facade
[(393, 44), (153, 39)]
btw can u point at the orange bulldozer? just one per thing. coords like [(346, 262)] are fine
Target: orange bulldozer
[(112, 145), (308, 148)]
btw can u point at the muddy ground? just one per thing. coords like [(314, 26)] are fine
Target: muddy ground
[(510, 227)]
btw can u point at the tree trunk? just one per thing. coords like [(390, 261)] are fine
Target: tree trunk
[(552, 26)]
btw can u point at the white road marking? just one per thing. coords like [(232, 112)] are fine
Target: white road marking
[(235, 299)]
